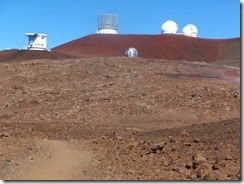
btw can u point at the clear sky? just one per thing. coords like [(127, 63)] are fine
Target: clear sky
[(66, 20)]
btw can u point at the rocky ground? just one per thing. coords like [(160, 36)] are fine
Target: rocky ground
[(119, 119)]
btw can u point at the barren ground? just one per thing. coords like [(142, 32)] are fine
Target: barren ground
[(119, 119), (164, 46)]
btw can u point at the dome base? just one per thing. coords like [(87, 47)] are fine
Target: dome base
[(107, 31)]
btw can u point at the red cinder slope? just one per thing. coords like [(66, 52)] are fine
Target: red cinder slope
[(230, 53), (171, 47)]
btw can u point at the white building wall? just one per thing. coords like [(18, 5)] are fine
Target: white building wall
[(36, 41)]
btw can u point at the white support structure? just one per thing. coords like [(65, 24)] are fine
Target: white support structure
[(36, 41)]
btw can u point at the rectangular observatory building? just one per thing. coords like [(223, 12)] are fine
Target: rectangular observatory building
[(36, 41)]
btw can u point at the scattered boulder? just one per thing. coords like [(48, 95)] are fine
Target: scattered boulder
[(215, 167), (196, 140), (186, 143), (157, 148), (198, 158), (5, 134), (228, 157), (184, 132)]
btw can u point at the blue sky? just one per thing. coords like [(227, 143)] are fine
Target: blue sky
[(66, 20)]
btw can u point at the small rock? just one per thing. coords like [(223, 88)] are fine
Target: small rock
[(175, 169), (141, 142), (31, 157), (184, 132), (166, 163), (120, 138), (31, 146), (198, 158), (1, 154), (114, 136), (199, 174), (94, 142), (4, 134), (171, 139), (230, 175), (187, 143), (31, 129), (196, 140), (222, 163), (157, 147), (84, 172), (215, 167), (188, 166), (216, 148), (228, 157), (132, 145), (158, 152), (109, 167), (131, 171)]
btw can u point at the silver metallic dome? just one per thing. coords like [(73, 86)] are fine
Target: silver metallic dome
[(131, 52)]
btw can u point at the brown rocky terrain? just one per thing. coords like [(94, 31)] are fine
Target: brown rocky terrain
[(117, 118), (23, 55)]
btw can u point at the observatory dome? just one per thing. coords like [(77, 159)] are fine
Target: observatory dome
[(131, 52), (190, 30), (169, 27), (107, 24)]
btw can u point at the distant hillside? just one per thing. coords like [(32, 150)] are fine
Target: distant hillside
[(230, 53), (21, 55), (170, 47)]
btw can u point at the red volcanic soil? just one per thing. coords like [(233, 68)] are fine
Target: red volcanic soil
[(21, 55), (170, 47), (230, 53), (118, 119)]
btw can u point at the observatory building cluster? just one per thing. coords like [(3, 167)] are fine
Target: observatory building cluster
[(108, 24), (170, 27)]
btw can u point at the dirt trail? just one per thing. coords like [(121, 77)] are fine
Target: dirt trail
[(59, 161)]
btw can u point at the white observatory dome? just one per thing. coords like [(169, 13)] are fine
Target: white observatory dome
[(190, 30), (131, 52), (169, 27)]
